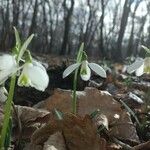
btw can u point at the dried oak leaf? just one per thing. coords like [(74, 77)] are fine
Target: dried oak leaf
[(29, 115), (26, 120), (124, 129), (90, 100), (79, 133), (143, 146), (56, 142)]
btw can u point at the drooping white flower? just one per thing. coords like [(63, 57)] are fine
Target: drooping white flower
[(8, 66), (85, 70), (140, 66), (34, 75)]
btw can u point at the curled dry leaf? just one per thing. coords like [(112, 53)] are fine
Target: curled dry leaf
[(124, 129), (143, 146), (29, 116), (26, 120)]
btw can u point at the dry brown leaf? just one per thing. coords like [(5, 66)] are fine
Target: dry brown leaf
[(40, 136), (29, 115), (90, 100), (26, 120), (124, 129), (55, 141), (143, 146), (79, 133)]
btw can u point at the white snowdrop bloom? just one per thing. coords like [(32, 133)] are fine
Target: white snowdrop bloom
[(8, 66), (85, 70), (140, 70), (34, 75), (140, 66)]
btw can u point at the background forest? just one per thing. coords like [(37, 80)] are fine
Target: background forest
[(111, 29)]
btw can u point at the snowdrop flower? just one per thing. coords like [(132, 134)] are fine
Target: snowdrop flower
[(8, 66), (85, 70), (140, 66), (34, 75)]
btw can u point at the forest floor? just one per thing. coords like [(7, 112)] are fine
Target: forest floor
[(112, 113)]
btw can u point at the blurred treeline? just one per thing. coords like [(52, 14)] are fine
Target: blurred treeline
[(112, 29)]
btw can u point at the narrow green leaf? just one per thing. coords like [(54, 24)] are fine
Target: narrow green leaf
[(8, 136), (24, 46), (18, 41), (130, 111), (146, 49), (58, 114), (95, 113), (79, 56)]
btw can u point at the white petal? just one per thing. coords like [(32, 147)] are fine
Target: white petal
[(8, 66), (4, 76), (36, 63), (7, 62), (86, 76), (147, 65), (137, 64), (38, 77), (3, 94), (70, 69), (140, 70), (98, 69)]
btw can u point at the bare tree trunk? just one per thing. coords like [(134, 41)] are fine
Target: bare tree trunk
[(67, 18), (34, 17), (131, 38), (5, 27), (101, 46), (139, 34), (124, 20), (45, 30), (16, 7)]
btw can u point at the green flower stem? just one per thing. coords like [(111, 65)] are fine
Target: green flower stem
[(7, 111), (74, 101)]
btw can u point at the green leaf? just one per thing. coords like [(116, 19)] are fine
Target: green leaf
[(80, 52), (18, 41), (146, 49), (59, 114), (130, 111), (24, 46), (27, 56), (8, 136), (95, 113)]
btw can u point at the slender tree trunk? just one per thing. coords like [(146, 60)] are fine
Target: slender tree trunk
[(34, 17), (101, 46), (131, 38), (139, 34), (124, 20), (67, 19)]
